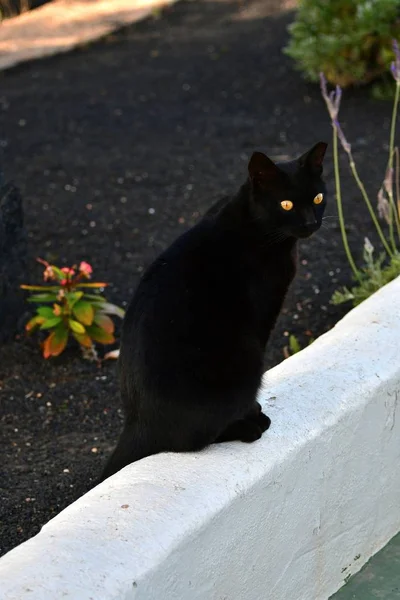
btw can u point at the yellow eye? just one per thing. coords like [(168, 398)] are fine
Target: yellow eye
[(318, 198), (287, 204)]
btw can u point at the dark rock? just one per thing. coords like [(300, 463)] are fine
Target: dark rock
[(12, 259)]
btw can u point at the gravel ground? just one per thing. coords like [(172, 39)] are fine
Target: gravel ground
[(117, 148)]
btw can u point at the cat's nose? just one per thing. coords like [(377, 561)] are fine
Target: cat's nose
[(307, 229)]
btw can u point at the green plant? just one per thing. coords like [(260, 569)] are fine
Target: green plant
[(294, 346), (375, 272), (348, 40), (373, 275), (73, 310)]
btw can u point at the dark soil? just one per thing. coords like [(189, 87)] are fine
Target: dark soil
[(119, 147)]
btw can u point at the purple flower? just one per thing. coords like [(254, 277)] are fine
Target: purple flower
[(395, 66), (332, 100), (383, 203), (383, 206)]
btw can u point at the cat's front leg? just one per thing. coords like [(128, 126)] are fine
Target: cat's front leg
[(245, 430)]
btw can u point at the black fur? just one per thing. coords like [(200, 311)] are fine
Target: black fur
[(194, 335)]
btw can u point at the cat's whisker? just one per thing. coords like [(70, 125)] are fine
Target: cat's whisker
[(275, 238)]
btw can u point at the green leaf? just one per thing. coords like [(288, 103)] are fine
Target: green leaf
[(76, 327), (56, 342), (83, 339), (294, 344), (99, 335), (91, 285), (341, 296), (34, 323), (40, 288), (49, 323), (73, 297), (84, 312), (94, 298), (45, 311), (104, 322), (112, 309), (42, 298)]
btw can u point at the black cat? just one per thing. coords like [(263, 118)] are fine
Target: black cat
[(194, 335)]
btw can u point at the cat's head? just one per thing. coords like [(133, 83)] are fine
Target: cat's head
[(289, 197)]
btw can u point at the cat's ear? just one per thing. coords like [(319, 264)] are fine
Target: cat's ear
[(314, 158), (262, 170)]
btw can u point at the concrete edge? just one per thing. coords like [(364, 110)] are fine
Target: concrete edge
[(65, 24), (287, 518)]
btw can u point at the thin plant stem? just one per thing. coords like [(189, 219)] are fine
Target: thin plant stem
[(394, 215), (340, 206), (371, 210), (393, 124), (393, 211), (397, 179)]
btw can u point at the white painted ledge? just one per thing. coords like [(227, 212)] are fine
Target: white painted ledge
[(276, 520)]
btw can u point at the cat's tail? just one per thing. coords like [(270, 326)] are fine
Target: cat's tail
[(128, 450)]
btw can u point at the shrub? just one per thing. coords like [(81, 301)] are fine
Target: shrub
[(348, 40), (73, 310)]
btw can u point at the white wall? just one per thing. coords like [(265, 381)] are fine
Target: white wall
[(276, 520)]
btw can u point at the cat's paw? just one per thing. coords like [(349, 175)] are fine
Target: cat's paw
[(263, 422), (259, 417), (247, 430), (250, 431)]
